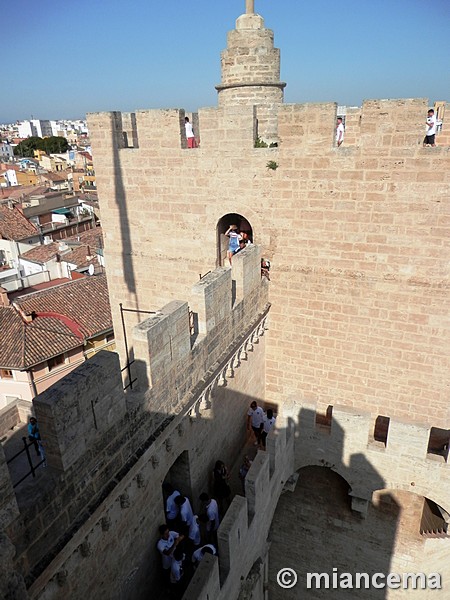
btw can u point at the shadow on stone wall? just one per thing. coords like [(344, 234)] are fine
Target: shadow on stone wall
[(321, 527)]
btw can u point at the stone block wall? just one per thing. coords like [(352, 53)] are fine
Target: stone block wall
[(94, 433), (356, 235), (348, 446), (113, 553)]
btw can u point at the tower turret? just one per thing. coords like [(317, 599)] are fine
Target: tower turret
[(251, 71)]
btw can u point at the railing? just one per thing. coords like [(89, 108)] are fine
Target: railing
[(33, 468)]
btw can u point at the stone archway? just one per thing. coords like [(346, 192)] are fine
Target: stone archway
[(222, 241)]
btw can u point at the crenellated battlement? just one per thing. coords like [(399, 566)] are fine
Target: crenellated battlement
[(402, 454), (307, 128)]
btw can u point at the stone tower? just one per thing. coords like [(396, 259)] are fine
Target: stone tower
[(251, 72)]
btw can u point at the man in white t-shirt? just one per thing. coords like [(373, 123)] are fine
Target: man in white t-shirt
[(212, 515), (194, 532), (190, 137), (200, 553), (339, 131), (172, 509), (176, 568), (430, 134), (268, 425), (255, 419), (186, 512), (167, 543)]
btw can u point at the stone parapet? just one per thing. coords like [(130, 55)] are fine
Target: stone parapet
[(348, 446)]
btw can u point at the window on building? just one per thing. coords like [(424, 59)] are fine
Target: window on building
[(56, 361), (6, 374)]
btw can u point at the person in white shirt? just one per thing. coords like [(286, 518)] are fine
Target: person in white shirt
[(190, 137), (186, 512), (255, 418), (176, 568), (212, 515), (339, 132), (430, 135), (172, 509), (200, 553), (194, 531), (167, 543), (268, 425)]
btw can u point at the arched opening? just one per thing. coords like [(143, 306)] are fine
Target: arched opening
[(222, 240), (315, 530), (179, 476)]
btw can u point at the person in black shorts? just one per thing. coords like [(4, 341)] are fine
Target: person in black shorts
[(430, 135)]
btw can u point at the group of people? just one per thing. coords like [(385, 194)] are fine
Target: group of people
[(430, 132), (239, 240), (180, 542), (186, 537), (260, 423)]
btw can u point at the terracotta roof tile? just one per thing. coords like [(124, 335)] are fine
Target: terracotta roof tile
[(42, 253), (13, 224), (26, 344), (85, 301)]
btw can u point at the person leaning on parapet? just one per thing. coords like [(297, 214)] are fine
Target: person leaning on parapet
[(339, 131), (190, 137), (200, 553), (33, 434), (430, 134), (242, 246)]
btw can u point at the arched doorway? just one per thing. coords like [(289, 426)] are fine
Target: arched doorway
[(222, 240)]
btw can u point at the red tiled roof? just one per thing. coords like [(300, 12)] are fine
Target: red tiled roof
[(55, 176), (19, 191), (92, 237), (79, 255), (42, 253), (14, 225), (26, 344), (37, 287), (85, 301)]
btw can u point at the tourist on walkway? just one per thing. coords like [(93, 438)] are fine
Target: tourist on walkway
[(430, 134), (339, 132), (190, 136), (222, 490), (212, 516), (243, 470), (167, 543), (33, 434), (268, 425), (186, 513), (255, 418), (172, 509)]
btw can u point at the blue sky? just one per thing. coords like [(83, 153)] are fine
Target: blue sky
[(66, 59)]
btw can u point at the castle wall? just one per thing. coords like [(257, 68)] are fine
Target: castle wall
[(356, 235), (191, 394), (113, 553)]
